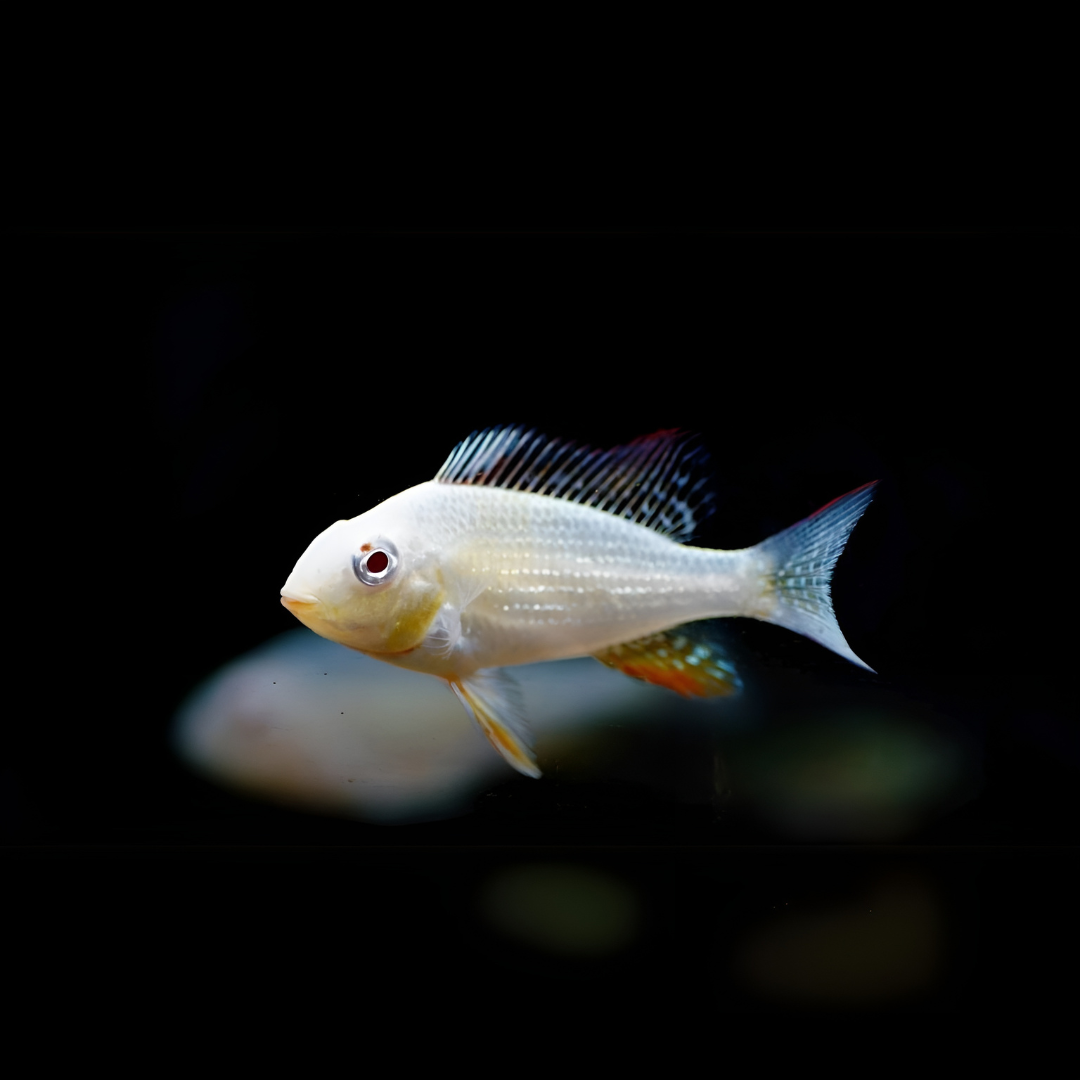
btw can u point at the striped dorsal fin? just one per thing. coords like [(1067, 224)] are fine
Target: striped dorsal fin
[(658, 480)]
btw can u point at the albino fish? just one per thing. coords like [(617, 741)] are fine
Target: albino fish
[(525, 549)]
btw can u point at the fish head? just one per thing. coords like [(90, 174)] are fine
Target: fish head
[(367, 583)]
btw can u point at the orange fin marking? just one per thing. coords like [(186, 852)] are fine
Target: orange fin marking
[(676, 660), (498, 731)]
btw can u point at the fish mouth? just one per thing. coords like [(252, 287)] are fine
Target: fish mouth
[(296, 604)]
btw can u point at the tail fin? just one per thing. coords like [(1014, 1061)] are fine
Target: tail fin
[(802, 560)]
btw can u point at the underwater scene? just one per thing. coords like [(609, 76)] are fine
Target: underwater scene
[(615, 620)]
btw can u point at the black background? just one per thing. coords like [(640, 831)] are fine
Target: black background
[(200, 404)]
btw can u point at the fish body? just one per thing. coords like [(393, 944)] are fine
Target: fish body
[(524, 549)]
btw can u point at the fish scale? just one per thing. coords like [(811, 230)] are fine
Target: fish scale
[(568, 580)]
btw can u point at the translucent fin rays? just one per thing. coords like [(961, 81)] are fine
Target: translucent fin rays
[(659, 481)]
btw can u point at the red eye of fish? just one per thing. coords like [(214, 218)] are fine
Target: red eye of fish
[(377, 562)]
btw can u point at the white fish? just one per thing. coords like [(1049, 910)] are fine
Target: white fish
[(525, 549)]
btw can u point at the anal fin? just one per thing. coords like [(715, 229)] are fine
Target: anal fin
[(493, 700), (686, 659)]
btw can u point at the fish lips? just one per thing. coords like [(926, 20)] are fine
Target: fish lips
[(296, 604)]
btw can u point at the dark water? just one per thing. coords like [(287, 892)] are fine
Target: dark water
[(221, 398)]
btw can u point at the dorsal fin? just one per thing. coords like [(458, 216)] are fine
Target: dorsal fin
[(658, 480)]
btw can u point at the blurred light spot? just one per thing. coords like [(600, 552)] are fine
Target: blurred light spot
[(567, 909), (861, 776), (884, 946)]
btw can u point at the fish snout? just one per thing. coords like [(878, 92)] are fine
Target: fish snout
[(297, 604)]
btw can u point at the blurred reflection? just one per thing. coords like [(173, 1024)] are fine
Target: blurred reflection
[(307, 722), (304, 721), (866, 774), (562, 908), (884, 945)]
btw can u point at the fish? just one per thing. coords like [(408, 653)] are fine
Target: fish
[(525, 548)]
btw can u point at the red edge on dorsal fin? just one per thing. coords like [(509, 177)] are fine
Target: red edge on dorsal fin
[(659, 480)]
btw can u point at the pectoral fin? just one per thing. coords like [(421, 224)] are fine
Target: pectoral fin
[(686, 659), (493, 700), (444, 632)]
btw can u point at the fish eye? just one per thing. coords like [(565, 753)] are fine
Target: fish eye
[(377, 564)]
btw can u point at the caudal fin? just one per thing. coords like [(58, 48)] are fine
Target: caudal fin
[(802, 560)]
